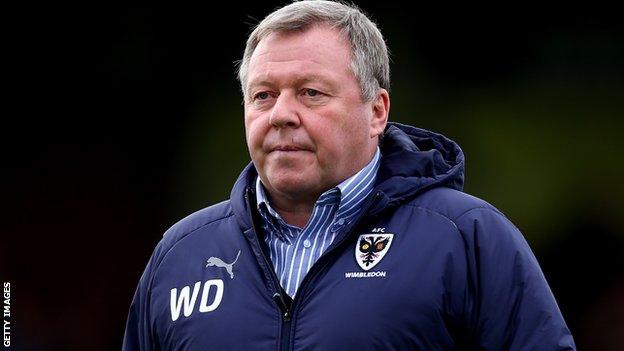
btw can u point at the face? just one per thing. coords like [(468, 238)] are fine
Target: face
[(306, 125)]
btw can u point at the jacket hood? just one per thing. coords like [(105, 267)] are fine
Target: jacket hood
[(415, 159), (412, 160)]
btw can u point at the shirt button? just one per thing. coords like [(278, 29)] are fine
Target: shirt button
[(341, 221), (306, 243)]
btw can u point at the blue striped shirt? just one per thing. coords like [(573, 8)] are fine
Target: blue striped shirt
[(294, 250)]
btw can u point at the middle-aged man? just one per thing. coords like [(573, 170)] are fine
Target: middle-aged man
[(346, 232)]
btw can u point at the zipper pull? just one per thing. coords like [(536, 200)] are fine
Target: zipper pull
[(279, 299)]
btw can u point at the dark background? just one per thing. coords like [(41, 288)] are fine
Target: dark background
[(124, 119)]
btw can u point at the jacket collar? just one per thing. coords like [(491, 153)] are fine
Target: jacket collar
[(413, 160)]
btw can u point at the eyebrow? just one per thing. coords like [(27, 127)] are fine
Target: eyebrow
[(297, 81)]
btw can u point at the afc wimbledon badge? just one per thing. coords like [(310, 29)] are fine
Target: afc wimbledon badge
[(371, 248)]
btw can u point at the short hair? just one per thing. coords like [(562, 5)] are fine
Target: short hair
[(369, 53)]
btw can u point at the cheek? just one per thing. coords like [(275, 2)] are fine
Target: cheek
[(253, 132), (349, 125), (346, 137), (330, 140)]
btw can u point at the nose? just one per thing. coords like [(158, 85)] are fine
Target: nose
[(285, 112)]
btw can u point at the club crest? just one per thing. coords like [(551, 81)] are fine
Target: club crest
[(371, 248)]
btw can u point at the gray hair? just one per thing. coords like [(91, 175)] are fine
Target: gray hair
[(369, 54)]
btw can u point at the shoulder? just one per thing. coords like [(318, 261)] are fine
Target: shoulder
[(185, 227), (199, 219), (479, 224), (469, 214), (195, 221), (453, 204), (181, 230)]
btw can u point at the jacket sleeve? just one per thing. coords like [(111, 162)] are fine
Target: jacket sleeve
[(138, 335), (511, 306)]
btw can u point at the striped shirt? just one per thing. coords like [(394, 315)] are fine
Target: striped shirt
[(294, 250)]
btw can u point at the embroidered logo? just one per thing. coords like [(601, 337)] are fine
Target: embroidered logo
[(229, 267), (371, 248)]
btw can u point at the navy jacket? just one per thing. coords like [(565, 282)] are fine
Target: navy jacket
[(456, 274)]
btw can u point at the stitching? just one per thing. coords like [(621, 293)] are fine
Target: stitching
[(454, 221), (437, 213), (480, 208)]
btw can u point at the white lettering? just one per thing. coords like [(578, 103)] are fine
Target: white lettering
[(7, 333), (186, 300), (183, 299), (381, 274), (218, 284), (6, 312)]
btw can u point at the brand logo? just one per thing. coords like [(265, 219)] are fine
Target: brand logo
[(183, 300), (229, 267), (371, 248)]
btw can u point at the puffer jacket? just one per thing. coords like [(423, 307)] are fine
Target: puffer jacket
[(424, 267)]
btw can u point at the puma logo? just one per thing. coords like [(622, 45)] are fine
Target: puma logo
[(229, 267)]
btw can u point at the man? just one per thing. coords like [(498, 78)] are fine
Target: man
[(346, 232)]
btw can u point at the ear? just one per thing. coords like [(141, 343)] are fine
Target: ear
[(381, 109)]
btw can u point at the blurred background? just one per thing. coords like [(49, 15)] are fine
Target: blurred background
[(124, 119)]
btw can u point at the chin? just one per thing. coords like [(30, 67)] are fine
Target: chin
[(289, 184)]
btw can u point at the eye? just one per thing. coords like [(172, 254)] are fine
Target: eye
[(312, 92), (261, 96)]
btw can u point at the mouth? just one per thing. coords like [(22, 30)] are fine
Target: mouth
[(288, 148)]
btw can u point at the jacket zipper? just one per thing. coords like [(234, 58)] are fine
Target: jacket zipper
[(324, 259), (278, 297), (286, 318)]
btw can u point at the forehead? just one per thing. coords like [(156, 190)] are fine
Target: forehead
[(320, 51)]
